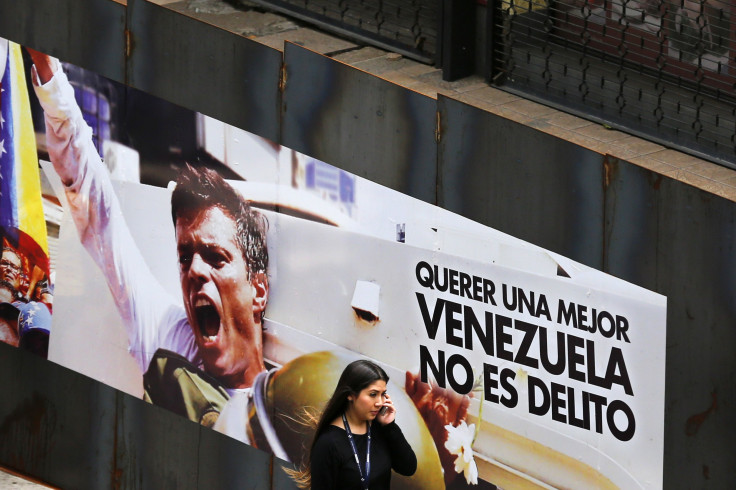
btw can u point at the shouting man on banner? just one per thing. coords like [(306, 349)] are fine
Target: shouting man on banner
[(196, 357)]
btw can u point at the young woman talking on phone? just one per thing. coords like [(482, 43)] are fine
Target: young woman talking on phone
[(357, 442)]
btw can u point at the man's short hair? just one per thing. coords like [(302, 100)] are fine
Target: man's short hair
[(11, 250), (200, 188)]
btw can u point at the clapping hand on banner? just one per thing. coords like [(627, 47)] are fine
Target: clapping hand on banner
[(438, 407)]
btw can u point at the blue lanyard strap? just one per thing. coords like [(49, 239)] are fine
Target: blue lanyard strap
[(363, 478)]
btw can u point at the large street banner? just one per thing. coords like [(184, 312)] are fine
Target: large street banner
[(565, 381), (510, 365)]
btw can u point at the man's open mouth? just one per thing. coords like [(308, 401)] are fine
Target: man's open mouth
[(208, 320)]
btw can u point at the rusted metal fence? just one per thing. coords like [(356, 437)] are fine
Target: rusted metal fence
[(664, 69), (409, 27), (661, 69)]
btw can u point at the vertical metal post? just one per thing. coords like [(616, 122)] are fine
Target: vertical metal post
[(495, 43), (457, 38)]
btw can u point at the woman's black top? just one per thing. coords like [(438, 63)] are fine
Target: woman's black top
[(333, 462)]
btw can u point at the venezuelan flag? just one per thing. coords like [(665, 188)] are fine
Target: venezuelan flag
[(21, 210)]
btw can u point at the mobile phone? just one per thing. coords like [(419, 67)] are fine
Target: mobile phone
[(382, 410)]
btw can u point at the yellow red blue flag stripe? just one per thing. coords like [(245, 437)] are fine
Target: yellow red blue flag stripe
[(21, 208)]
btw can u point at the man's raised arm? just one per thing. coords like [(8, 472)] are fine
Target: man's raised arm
[(140, 299)]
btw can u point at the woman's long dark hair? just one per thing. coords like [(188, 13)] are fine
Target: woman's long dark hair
[(356, 376)]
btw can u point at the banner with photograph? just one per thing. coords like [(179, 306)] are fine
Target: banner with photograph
[(25, 293), (237, 303)]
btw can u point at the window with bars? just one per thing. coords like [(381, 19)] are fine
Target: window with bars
[(409, 27), (665, 69)]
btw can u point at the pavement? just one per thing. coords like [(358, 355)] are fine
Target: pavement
[(9, 481)]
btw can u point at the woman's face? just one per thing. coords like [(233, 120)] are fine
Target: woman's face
[(368, 402)]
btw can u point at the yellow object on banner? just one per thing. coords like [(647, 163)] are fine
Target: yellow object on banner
[(21, 210)]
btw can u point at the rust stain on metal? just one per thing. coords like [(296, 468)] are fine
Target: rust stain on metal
[(116, 473), (693, 423), (282, 78), (30, 429), (117, 478), (610, 168), (438, 128), (657, 181), (129, 43)]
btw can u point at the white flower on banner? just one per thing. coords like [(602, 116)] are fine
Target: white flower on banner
[(460, 443)]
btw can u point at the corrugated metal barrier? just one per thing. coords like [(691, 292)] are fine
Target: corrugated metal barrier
[(623, 219)]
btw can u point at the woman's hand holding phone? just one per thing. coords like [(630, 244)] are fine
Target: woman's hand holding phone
[(387, 414)]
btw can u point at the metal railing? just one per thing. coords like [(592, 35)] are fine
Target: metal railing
[(409, 27), (663, 69)]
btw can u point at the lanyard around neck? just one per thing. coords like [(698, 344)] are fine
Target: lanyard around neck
[(363, 478)]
